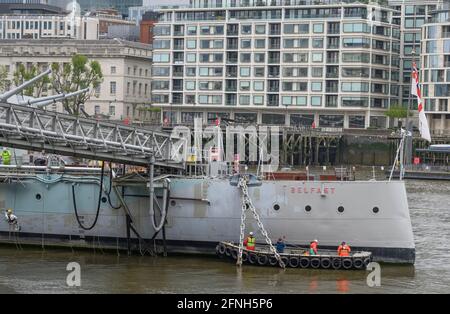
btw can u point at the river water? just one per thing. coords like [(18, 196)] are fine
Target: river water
[(44, 271)]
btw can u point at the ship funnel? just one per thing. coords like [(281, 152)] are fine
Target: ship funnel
[(4, 97), (43, 102)]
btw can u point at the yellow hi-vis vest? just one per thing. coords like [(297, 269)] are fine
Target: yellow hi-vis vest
[(251, 241), (6, 156)]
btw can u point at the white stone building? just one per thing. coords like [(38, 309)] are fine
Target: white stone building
[(126, 67)]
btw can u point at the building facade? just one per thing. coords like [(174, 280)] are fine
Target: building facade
[(37, 21), (126, 68), (288, 62), (435, 72)]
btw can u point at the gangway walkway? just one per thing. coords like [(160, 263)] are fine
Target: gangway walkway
[(40, 130)]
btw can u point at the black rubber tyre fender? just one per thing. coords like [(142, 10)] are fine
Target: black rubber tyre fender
[(294, 262), (325, 262), (358, 263), (336, 263), (367, 261), (228, 252), (285, 260), (263, 260), (244, 256), (221, 249), (315, 262), (347, 263), (234, 254), (304, 262), (252, 258), (273, 261)]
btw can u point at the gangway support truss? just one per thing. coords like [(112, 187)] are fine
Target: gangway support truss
[(40, 130)]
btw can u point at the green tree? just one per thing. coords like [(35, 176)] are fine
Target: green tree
[(70, 77), (398, 112), (3, 78), (23, 74)]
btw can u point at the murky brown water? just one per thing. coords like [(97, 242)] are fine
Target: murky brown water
[(37, 271)]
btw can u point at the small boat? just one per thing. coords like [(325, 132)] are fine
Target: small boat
[(295, 257)]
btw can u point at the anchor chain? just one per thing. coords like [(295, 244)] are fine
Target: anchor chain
[(248, 204)]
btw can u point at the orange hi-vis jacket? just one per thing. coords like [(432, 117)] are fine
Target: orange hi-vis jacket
[(250, 243), (344, 250)]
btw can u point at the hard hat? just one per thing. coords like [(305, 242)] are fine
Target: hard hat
[(251, 233), (316, 241), (9, 210)]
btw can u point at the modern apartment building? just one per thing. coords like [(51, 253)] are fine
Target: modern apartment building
[(435, 60), (289, 62), (126, 68)]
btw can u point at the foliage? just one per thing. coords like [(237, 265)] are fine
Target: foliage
[(397, 112), (3, 78), (65, 78), (71, 77), (23, 74)]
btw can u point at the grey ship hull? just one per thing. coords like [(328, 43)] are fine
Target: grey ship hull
[(205, 211)]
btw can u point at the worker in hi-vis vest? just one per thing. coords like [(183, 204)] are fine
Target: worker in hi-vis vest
[(250, 242), (6, 156), (343, 249)]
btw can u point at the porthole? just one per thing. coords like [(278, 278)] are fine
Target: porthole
[(104, 199), (276, 207), (341, 209), (173, 203), (307, 208), (38, 196), (375, 210)]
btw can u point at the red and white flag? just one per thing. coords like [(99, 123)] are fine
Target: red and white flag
[(415, 90)]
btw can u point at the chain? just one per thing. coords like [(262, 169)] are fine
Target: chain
[(246, 200), (242, 234)]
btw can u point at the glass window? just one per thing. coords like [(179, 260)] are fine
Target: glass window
[(192, 30), (246, 43), (317, 43), (318, 28), (246, 29), (258, 100), (259, 57), (316, 86), (260, 29), (244, 100), (317, 57), (190, 85), (191, 57), (409, 22), (245, 71), (244, 85), (191, 44), (317, 72), (258, 85), (316, 100), (260, 43)]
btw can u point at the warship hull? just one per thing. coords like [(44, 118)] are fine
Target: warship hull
[(369, 215)]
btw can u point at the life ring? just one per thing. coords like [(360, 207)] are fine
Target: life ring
[(221, 249), (228, 251), (358, 263), (273, 261), (285, 260), (253, 258), (315, 262), (304, 262), (336, 263), (244, 256), (263, 259), (347, 263), (234, 254), (325, 262), (294, 262)]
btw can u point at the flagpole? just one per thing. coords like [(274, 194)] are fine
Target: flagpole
[(408, 141)]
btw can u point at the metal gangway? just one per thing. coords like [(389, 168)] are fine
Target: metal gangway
[(27, 126)]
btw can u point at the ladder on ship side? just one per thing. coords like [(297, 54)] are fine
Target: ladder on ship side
[(247, 204)]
